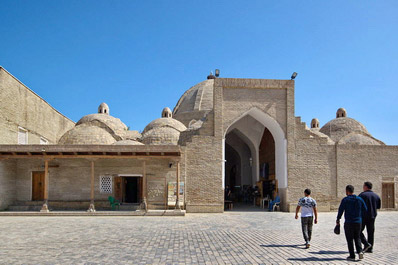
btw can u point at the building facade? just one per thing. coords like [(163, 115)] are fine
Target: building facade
[(240, 133)]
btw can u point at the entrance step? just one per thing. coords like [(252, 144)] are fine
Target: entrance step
[(20, 208), (129, 207)]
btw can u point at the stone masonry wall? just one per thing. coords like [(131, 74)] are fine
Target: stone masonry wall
[(7, 183), (20, 106)]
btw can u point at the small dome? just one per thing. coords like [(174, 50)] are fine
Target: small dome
[(165, 122), (166, 113), (163, 131), (87, 135), (103, 108), (161, 136), (360, 139), (342, 126), (128, 142), (341, 113), (195, 103), (315, 123)]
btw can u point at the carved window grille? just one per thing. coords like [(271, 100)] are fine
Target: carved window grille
[(106, 184)]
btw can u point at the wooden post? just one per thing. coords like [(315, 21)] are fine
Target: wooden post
[(44, 208), (178, 207), (144, 187), (92, 206)]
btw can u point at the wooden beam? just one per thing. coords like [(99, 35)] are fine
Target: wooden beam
[(92, 206), (144, 186), (178, 186), (87, 156), (44, 208)]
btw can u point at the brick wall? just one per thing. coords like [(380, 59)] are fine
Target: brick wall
[(20, 106), (7, 183), (69, 179), (357, 164)]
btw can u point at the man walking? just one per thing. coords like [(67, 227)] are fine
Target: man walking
[(372, 201), (308, 210), (353, 207)]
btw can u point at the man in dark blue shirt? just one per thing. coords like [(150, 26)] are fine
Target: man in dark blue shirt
[(372, 201), (353, 208)]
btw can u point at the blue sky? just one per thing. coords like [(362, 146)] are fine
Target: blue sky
[(140, 56)]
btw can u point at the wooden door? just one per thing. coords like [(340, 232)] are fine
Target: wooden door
[(388, 195), (119, 188), (37, 186)]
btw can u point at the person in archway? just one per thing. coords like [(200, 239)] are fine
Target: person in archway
[(308, 211), (372, 201), (227, 193), (276, 200)]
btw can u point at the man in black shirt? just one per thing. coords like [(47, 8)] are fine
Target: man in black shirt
[(372, 201)]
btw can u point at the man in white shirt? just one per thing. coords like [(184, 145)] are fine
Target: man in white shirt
[(308, 210)]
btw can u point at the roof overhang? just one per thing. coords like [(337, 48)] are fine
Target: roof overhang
[(89, 151)]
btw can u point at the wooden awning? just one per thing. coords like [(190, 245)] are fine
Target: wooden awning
[(89, 151)]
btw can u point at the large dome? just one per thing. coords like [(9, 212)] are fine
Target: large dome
[(101, 128), (344, 130), (87, 134), (357, 138), (340, 127), (101, 120), (163, 131), (195, 103)]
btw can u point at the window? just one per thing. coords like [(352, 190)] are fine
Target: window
[(106, 184), (22, 136), (43, 140)]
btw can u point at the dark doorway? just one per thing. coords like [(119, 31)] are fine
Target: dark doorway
[(131, 186)]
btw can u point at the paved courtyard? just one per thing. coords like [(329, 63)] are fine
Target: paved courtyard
[(230, 238)]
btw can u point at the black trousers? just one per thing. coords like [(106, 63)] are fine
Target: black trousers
[(306, 226), (370, 228), (352, 234)]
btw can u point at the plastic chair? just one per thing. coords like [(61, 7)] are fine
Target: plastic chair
[(276, 205), (113, 202)]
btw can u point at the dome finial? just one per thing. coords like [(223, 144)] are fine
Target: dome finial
[(103, 108), (315, 123), (166, 113), (341, 113)]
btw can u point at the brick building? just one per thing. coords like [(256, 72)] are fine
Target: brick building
[(223, 131)]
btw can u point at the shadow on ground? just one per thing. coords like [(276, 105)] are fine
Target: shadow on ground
[(315, 259), (328, 252), (283, 246)]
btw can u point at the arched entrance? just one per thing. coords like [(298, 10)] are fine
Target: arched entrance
[(260, 143)]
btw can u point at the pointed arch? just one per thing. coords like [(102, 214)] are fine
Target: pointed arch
[(277, 133)]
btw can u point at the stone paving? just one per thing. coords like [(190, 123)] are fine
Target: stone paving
[(246, 237)]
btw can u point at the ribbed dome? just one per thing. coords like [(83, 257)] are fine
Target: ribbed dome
[(128, 142), (87, 134), (340, 127), (357, 138), (195, 103)]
